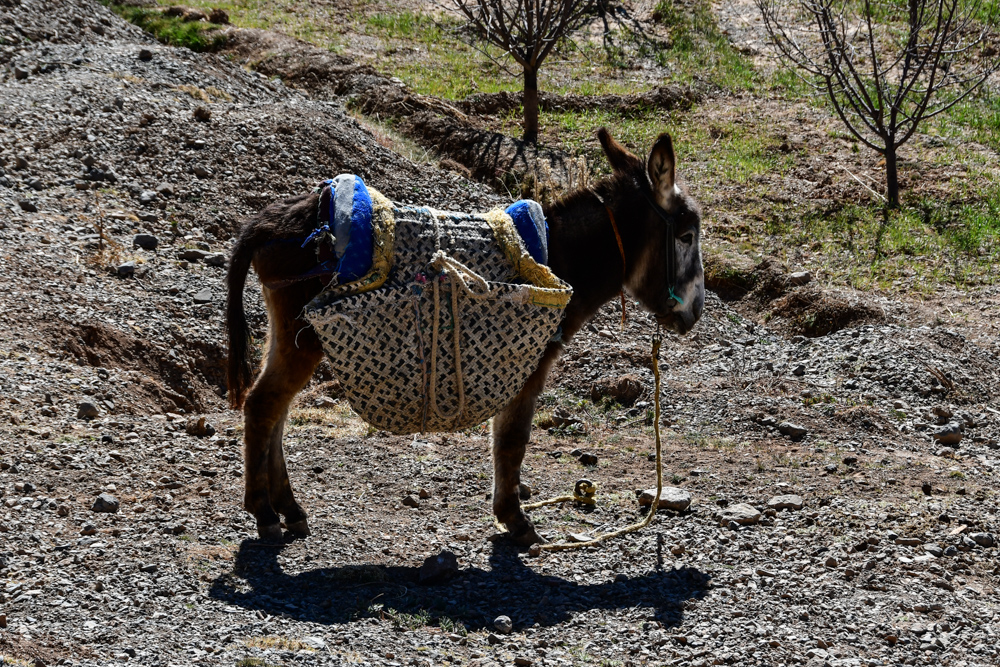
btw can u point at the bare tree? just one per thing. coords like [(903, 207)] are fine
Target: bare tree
[(887, 65), (527, 31)]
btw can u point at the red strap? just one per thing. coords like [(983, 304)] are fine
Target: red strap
[(621, 249)]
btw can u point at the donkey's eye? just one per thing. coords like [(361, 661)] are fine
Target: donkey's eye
[(688, 238)]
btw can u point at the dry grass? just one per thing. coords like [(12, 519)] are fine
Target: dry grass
[(279, 643)]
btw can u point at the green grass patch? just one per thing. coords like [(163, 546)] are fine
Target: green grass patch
[(918, 247), (697, 51), (172, 30)]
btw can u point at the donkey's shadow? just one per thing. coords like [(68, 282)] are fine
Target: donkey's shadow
[(472, 596)]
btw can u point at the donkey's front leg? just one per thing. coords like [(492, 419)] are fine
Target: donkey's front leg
[(511, 433)]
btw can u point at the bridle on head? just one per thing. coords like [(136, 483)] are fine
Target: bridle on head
[(671, 249), (668, 220)]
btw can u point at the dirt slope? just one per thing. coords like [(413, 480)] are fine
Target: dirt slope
[(891, 560)]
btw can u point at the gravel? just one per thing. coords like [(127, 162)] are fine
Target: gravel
[(864, 572)]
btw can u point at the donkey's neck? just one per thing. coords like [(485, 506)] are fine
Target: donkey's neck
[(583, 249)]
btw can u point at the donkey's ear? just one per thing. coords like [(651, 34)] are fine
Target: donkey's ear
[(661, 170), (618, 156)]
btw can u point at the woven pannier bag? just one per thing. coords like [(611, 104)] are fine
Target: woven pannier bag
[(447, 325)]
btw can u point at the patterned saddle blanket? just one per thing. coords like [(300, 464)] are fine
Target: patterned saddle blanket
[(435, 319)]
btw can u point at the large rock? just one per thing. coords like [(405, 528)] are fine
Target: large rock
[(87, 410), (949, 434), (438, 569), (199, 427), (106, 503), (743, 514), (787, 502), (624, 389), (145, 241), (793, 431), (983, 539), (671, 498)]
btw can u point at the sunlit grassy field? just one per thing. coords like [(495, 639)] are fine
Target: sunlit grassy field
[(729, 144)]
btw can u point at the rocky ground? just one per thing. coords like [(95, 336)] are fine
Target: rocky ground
[(834, 454)]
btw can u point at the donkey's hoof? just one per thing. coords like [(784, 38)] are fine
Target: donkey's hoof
[(527, 536), (299, 528), (271, 533)]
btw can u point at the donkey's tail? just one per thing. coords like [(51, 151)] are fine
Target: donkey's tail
[(240, 372)]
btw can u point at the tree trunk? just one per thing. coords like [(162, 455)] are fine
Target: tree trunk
[(891, 175), (530, 106)]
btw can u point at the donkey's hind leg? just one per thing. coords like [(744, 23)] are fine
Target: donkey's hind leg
[(287, 369)]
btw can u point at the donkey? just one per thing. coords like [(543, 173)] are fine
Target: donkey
[(636, 230)]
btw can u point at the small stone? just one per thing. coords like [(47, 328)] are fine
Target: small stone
[(742, 514), (522, 662), (424, 494), (438, 569), (850, 460), (793, 431), (88, 529), (908, 541), (145, 55), (942, 411), (216, 259), (147, 197), (87, 410), (943, 584), (145, 241), (799, 370), (193, 254), (106, 503), (503, 624), (410, 501), (788, 502), (21, 162), (203, 296), (800, 278), (535, 550), (165, 189), (677, 550), (831, 562), (203, 114), (27, 206), (949, 434), (671, 498), (315, 643), (126, 270), (830, 468), (201, 171), (946, 452), (588, 459), (3, 620), (926, 488), (494, 639), (20, 74)]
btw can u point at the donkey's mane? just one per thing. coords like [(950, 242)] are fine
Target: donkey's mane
[(608, 188)]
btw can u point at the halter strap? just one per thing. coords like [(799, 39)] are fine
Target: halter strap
[(671, 249), (621, 250)]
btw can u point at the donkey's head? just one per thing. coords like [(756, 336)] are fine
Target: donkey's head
[(667, 276)]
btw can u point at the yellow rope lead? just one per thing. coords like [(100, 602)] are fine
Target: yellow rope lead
[(578, 496)]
